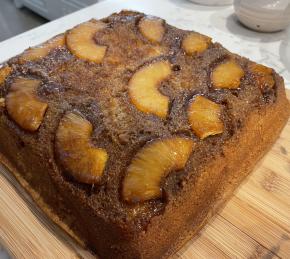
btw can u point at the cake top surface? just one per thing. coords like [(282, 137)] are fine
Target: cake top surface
[(130, 108)]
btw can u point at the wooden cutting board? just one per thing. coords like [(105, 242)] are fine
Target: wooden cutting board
[(255, 223)]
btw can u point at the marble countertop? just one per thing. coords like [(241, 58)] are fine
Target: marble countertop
[(220, 23), (271, 49)]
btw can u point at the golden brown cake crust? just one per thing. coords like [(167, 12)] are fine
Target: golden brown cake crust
[(253, 115)]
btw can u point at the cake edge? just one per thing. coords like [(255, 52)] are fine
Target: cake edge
[(227, 190), (64, 232)]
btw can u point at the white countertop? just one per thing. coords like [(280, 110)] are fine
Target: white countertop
[(271, 49)]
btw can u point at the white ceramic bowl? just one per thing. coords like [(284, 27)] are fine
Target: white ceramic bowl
[(263, 15), (212, 2)]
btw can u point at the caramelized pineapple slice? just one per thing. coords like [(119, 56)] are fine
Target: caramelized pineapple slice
[(195, 43), (152, 28), (143, 88), (263, 76), (204, 117), (153, 163), (84, 162), (2, 102), (227, 75), (4, 72), (38, 52), (80, 41), (23, 105)]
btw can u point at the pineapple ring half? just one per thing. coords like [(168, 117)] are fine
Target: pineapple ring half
[(23, 105), (84, 162), (38, 52), (151, 164), (204, 117), (152, 28), (4, 73), (143, 88), (263, 76), (80, 41), (195, 43), (227, 75)]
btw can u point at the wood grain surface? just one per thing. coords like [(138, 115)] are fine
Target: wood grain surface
[(255, 223)]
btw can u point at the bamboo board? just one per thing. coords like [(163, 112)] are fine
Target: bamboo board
[(255, 223)]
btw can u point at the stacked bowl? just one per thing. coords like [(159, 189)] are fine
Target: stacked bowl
[(263, 15)]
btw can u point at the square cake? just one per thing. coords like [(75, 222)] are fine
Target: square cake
[(130, 133)]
